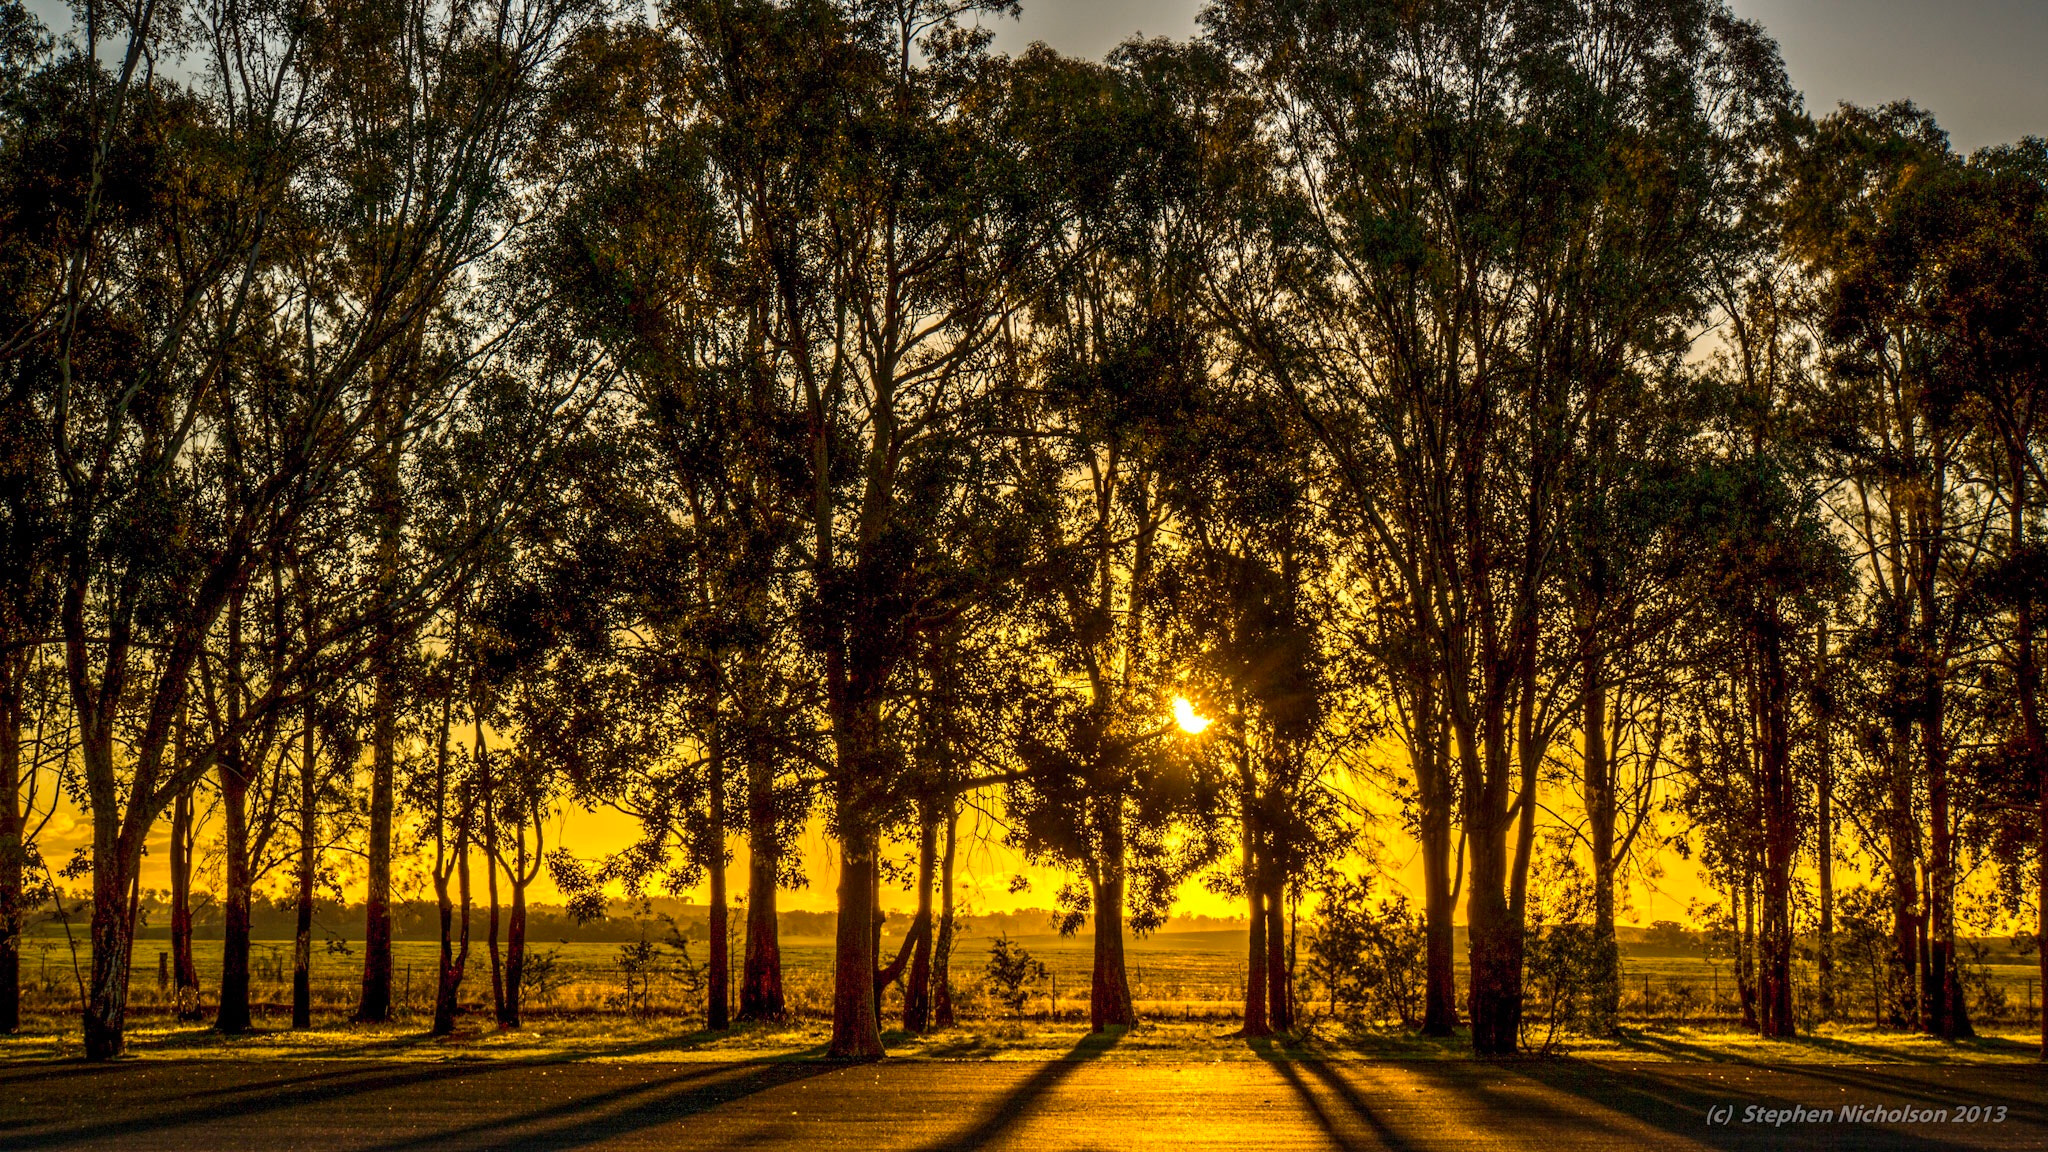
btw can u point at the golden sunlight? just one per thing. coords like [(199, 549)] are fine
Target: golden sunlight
[(1184, 714)]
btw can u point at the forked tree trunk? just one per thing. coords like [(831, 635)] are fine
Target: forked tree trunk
[(515, 955), (1433, 790), (184, 973), (498, 1007), (917, 983), (1945, 1012), (942, 951), (454, 946), (1495, 998), (761, 969), (1256, 1020), (1279, 990)]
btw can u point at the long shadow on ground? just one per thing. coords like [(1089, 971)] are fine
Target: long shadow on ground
[(588, 1120), (1022, 1099)]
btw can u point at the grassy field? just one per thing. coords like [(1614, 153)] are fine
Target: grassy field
[(1193, 978)]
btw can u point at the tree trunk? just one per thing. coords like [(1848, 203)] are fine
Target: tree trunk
[(1433, 789), (1745, 955), (1943, 1000), (375, 1005), (1824, 821), (1256, 1020), (1110, 1004), (1781, 830), (116, 861), (185, 973), (856, 1033), (1279, 990), (1495, 1004), (761, 970), (515, 955), (454, 952), (718, 986), (498, 1008), (1597, 788), (917, 984), (232, 1015), (13, 849), (309, 864), (942, 952), (2033, 746), (1904, 845)]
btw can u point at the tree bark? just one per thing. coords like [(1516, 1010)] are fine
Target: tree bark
[(515, 956), (761, 970), (309, 865), (1904, 844), (1495, 1003), (113, 940), (942, 952), (1279, 989), (1433, 790), (498, 1008), (1943, 1002), (454, 949), (917, 984), (1110, 1003), (718, 986), (1780, 830), (856, 1033), (375, 1004), (1597, 788), (185, 973), (232, 1016), (13, 848), (1256, 1020), (1824, 823)]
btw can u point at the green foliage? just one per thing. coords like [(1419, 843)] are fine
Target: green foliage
[(1368, 958), (1012, 973), (1569, 969)]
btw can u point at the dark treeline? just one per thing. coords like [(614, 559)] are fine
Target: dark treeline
[(417, 416)]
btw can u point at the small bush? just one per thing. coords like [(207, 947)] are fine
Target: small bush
[(1368, 959), (1013, 974)]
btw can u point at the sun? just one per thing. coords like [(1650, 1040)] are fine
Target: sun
[(1190, 721)]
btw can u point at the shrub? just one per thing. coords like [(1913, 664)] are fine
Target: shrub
[(1013, 973), (1368, 959)]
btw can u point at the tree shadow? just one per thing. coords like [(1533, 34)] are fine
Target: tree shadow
[(1677, 1103), (1287, 1059), (255, 1098), (1022, 1099), (571, 1123)]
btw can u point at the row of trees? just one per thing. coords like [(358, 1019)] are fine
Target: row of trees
[(424, 414)]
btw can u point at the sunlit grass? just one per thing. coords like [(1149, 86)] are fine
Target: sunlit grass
[(619, 1038)]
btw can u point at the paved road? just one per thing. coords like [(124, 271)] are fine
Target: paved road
[(1079, 1103)]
